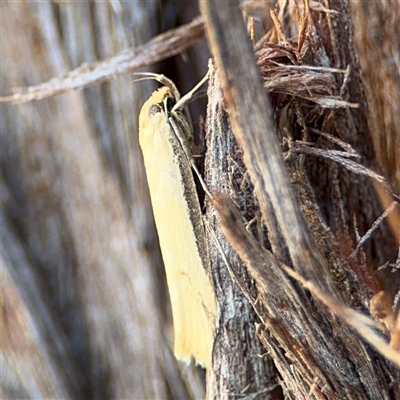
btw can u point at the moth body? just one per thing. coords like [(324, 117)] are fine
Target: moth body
[(179, 225)]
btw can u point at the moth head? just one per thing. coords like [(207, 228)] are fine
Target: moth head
[(159, 103), (163, 104)]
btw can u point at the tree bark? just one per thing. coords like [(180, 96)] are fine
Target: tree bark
[(316, 354)]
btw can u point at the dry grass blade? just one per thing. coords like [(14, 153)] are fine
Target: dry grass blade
[(283, 72), (163, 46), (355, 319), (342, 158), (374, 226)]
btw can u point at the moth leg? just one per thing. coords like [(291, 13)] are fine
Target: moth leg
[(182, 137), (179, 107), (190, 94)]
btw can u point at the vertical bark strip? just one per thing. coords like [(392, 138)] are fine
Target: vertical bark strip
[(239, 365)]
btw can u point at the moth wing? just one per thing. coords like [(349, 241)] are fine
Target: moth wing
[(180, 229)]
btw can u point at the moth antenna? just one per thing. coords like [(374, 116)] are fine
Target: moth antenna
[(161, 79)]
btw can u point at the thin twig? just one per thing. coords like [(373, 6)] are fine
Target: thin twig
[(159, 48)]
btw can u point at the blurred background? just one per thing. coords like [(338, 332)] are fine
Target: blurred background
[(85, 306)]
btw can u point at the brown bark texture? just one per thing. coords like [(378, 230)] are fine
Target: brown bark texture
[(312, 213), (302, 160)]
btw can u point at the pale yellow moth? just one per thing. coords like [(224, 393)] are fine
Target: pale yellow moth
[(164, 135)]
